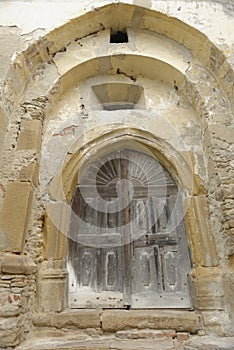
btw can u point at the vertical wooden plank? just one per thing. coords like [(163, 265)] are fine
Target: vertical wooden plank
[(145, 276), (158, 270), (155, 214), (99, 269), (111, 276), (170, 270), (145, 263), (86, 269), (98, 250), (111, 264), (148, 214), (163, 216), (183, 256), (171, 210), (126, 233), (111, 217), (85, 265)]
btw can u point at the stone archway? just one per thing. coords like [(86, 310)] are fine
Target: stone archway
[(195, 217), (36, 107)]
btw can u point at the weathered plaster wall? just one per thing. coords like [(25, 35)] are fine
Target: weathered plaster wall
[(49, 112)]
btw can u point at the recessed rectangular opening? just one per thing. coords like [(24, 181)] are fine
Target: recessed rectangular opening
[(117, 106), (118, 37), (118, 95)]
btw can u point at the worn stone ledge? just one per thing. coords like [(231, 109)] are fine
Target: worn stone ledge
[(210, 343), (78, 318), (17, 265), (152, 334), (115, 320), (66, 342), (54, 274), (185, 321), (98, 344)]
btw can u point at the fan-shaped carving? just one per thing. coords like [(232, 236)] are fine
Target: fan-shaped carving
[(140, 170)]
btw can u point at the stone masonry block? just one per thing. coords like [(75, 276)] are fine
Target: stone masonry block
[(55, 241), (10, 337), (115, 320), (30, 135), (7, 323), (199, 234), (52, 294), (77, 318), (14, 216), (221, 131), (207, 288), (15, 264), (30, 173)]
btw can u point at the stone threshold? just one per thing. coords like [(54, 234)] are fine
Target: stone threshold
[(98, 344), (110, 343), (116, 320)]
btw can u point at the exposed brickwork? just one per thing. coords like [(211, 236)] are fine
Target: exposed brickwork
[(17, 293)]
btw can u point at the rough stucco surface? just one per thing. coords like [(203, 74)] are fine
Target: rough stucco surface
[(182, 56)]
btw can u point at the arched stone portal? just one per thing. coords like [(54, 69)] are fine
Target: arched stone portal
[(59, 215), (61, 96)]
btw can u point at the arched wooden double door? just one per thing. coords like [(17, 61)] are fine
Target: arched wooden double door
[(127, 245)]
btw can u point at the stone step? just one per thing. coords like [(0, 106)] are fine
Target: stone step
[(210, 343), (116, 320), (40, 342), (103, 344)]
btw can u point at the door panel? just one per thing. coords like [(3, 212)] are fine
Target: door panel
[(95, 273), (170, 267), (87, 268), (158, 255), (111, 269), (145, 271)]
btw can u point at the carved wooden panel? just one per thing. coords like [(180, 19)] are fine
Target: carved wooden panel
[(129, 248)]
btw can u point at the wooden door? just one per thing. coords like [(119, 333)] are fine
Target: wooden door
[(160, 260), (123, 251)]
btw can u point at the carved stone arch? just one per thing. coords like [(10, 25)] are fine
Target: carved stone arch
[(201, 244), (32, 58), (97, 144)]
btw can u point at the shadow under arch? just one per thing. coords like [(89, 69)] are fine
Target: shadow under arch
[(128, 66)]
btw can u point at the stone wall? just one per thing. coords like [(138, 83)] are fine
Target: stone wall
[(17, 286), (56, 75)]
